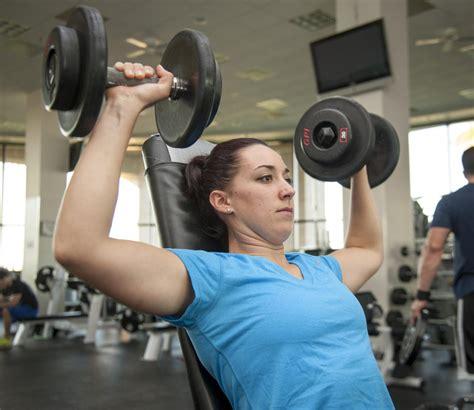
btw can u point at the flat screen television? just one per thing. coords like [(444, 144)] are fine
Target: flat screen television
[(351, 58)]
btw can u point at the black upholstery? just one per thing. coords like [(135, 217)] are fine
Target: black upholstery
[(179, 227)]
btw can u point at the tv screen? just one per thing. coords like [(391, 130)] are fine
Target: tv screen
[(351, 57)]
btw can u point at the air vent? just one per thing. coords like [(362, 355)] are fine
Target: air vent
[(9, 29), (316, 20), (24, 48)]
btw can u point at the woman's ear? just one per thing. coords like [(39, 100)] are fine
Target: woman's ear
[(220, 202)]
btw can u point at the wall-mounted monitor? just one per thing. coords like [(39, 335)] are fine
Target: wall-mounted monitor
[(352, 60)]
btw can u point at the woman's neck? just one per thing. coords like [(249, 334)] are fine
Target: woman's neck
[(274, 253)]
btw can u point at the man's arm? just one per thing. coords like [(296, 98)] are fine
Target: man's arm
[(10, 301), (431, 256), (428, 264)]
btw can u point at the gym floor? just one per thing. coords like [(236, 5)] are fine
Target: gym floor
[(66, 374)]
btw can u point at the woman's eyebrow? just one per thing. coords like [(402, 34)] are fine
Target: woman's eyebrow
[(286, 171)]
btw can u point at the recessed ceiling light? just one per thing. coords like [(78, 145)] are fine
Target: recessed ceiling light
[(200, 21), (467, 48), (467, 93), (137, 43), (254, 74), (427, 42), (221, 58), (135, 54), (272, 105)]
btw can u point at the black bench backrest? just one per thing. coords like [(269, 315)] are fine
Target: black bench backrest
[(179, 227)]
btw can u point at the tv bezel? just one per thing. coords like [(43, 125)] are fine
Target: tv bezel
[(373, 82)]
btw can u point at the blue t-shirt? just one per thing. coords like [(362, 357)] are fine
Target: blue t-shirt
[(273, 341), (455, 211)]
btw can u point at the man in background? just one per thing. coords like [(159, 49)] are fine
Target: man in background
[(454, 213), (17, 301)]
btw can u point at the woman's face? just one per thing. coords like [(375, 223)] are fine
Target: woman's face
[(261, 196)]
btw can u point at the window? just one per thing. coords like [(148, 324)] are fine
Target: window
[(125, 220), (334, 214), (12, 206), (435, 161)]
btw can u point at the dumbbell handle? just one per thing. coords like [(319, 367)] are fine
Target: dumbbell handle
[(116, 78)]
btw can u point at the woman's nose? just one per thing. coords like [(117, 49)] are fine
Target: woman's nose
[(287, 191)]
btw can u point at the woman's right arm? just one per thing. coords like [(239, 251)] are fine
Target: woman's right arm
[(142, 276)]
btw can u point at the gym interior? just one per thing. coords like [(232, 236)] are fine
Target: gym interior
[(330, 85)]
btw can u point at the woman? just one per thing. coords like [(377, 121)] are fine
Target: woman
[(276, 330)]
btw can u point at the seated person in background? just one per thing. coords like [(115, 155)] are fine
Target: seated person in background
[(17, 301), (275, 329)]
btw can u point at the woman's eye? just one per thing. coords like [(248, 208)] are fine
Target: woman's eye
[(265, 178), (290, 181)]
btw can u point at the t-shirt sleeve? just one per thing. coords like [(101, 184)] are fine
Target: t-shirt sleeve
[(333, 265), (442, 216), (204, 270)]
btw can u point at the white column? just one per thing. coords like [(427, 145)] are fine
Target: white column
[(392, 102), (47, 160), (148, 228)]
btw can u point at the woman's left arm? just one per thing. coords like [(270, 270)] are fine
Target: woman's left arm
[(362, 254)]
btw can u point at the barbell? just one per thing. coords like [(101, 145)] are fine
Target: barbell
[(75, 77)]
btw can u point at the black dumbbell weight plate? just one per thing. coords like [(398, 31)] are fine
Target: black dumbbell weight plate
[(189, 57), (43, 278), (89, 26), (217, 95), (351, 148), (406, 273), (393, 317), (412, 340), (384, 158), (399, 296), (61, 68)]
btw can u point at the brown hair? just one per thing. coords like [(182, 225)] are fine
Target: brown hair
[(4, 273), (206, 173)]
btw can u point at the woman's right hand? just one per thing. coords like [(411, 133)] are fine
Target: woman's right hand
[(143, 95)]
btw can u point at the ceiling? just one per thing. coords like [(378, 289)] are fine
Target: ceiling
[(251, 38)]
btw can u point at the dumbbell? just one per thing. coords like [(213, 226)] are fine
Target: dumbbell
[(413, 338), (336, 137), (406, 273), (75, 76), (393, 318), (132, 322), (399, 296), (45, 278), (404, 251)]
